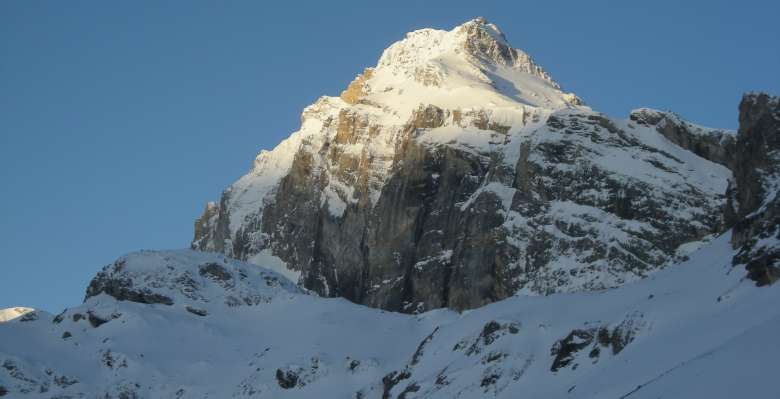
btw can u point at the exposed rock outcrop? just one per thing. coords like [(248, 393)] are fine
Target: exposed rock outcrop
[(753, 206), (357, 88), (196, 283), (111, 282), (716, 145), (566, 350)]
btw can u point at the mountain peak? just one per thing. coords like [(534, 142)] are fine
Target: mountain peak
[(479, 26), (13, 313), (483, 39), (469, 66)]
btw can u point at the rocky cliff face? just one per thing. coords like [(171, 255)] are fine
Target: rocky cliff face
[(753, 203), (456, 173), (715, 145)]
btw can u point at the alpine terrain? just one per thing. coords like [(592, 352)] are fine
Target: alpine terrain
[(456, 173), (453, 225)]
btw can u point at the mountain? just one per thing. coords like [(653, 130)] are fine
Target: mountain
[(457, 173), (187, 324), (454, 175)]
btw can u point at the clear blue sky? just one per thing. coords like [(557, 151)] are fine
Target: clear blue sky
[(119, 120)]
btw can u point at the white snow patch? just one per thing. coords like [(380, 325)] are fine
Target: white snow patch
[(266, 259)]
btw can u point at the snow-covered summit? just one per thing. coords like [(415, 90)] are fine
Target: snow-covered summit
[(476, 41), (9, 314), (470, 65)]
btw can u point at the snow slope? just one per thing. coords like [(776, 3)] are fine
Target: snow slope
[(230, 329)]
